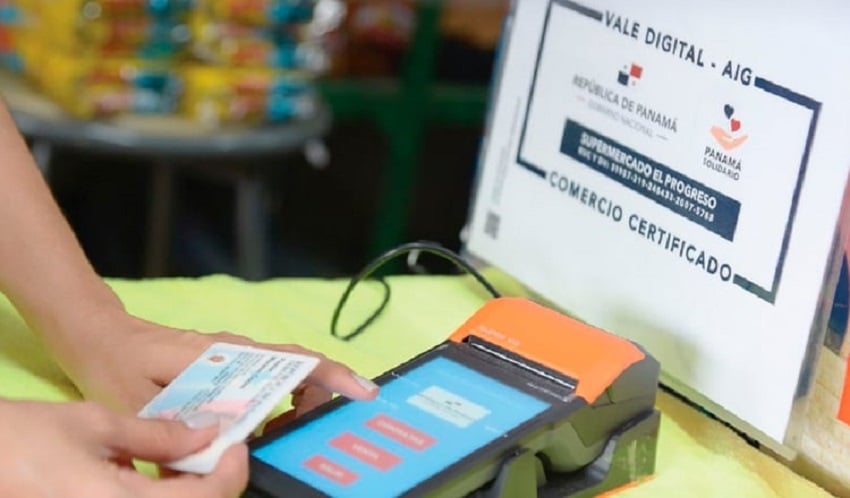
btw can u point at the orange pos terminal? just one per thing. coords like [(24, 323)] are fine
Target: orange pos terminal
[(521, 401)]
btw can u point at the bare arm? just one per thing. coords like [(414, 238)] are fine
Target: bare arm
[(111, 356), (43, 269)]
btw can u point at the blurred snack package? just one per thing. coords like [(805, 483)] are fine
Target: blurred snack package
[(14, 19), (256, 60), (216, 96), (373, 37), (285, 46), (117, 28), (91, 87), (10, 13), (387, 23), (9, 56), (94, 9), (147, 38), (376, 34), (261, 12), (217, 62)]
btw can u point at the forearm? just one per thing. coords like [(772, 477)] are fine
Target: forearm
[(43, 269)]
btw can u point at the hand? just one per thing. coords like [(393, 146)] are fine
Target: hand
[(726, 140), (84, 450), (123, 361)]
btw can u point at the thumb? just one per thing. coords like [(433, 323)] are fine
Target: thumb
[(159, 441)]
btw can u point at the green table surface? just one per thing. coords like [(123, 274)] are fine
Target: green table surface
[(696, 457)]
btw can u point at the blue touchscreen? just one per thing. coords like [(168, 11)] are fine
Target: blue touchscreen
[(422, 422)]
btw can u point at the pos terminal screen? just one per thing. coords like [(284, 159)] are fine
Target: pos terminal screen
[(423, 421)]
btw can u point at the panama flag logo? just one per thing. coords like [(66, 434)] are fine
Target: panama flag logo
[(630, 75)]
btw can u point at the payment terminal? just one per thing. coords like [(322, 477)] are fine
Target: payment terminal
[(520, 401)]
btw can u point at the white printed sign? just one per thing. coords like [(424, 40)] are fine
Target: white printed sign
[(672, 173)]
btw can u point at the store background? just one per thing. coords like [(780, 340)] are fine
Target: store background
[(323, 222), (328, 222)]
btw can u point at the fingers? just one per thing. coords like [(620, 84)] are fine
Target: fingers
[(136, 398), (304, 399), (228, 480), (308, 398), (279, 421), (338, 378), (331, 375), (181, 349), (155, 440), (231, 474)]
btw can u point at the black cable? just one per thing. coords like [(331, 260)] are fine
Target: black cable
[(425, 247)]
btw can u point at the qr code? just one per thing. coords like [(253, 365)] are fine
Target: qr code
[(491, 225)]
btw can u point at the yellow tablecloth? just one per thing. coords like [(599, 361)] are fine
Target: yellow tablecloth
[(697, 457)]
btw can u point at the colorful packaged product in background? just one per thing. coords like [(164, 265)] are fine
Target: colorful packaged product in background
[(99, 58), (10, 13), (146, 38), (372, 38), (285, 46), (257, 60), (219, 96), (135, 8), (217, 62), (89, 88), (14, 18), (261, 12), (9, 56), (116, 28)]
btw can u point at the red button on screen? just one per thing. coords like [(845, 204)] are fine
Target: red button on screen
[(401, 432), (365, 451), (331, 470)]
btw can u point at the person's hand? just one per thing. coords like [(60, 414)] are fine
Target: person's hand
[(85, 450), (123, 361)]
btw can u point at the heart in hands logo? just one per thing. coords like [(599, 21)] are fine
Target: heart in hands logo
[(730, 136)]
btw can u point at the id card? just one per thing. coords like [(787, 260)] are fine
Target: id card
[(239, 384)]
